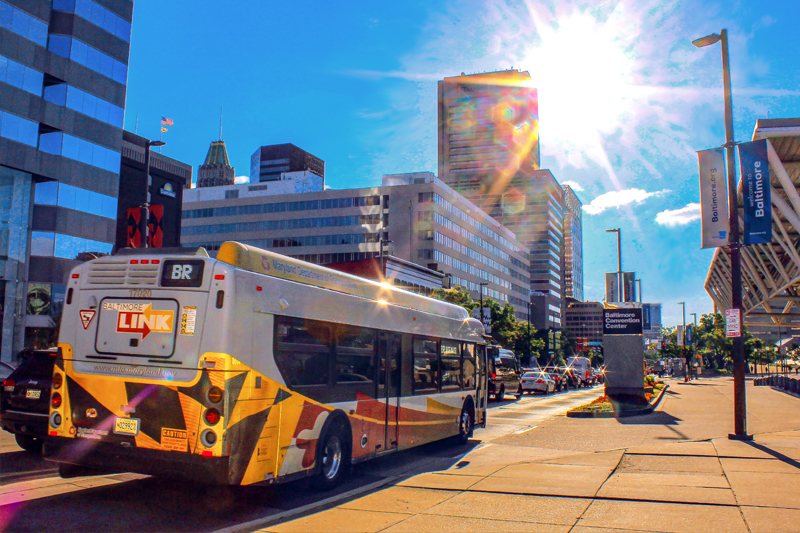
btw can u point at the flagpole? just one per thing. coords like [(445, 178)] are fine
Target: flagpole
[(160, 133)]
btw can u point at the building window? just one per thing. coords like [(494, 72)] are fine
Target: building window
[(22, 24), (83, 102), (97, 15), (20, 76), (232, 194), (63, 195), (58, 143), (18, 129), (71, 48)]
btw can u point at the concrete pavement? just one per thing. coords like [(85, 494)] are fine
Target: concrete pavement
[(671, 471)]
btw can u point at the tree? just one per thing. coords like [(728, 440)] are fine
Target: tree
[(506, 330)]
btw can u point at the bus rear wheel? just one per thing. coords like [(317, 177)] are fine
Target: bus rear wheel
[(334, 457), (466, 425)]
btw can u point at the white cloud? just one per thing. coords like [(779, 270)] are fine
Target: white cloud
[(679, 217), (241, 179), (618, 199), (575, 186)]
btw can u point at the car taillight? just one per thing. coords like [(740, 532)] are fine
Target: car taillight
[(494, 376), (56, 400), (212, 417), (8, 385), (57, 381), (539, 381)]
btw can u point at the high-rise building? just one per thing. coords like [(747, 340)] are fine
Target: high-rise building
[(573, 245), (489, 152), (416, 217), (269, 162), (585, 320), (63, 75), (216, 170)]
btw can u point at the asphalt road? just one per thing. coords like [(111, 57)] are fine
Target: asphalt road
[(36, 499)]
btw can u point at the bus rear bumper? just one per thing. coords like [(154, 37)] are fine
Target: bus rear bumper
[(106, 458)]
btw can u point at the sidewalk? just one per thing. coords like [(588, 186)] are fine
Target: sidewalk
[(671, 471)]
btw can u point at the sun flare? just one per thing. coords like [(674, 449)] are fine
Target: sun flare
[(583, 69)]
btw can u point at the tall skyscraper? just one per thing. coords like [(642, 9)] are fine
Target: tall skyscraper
[(216, 170), (573, 245), (489, 152), (63, 75), (269, 162)]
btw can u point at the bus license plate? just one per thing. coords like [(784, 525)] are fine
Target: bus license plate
[(127, 426), (33, 394)]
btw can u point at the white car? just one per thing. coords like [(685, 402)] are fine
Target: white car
[(537, 380)]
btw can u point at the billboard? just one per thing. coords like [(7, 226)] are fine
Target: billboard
[(713, 198)]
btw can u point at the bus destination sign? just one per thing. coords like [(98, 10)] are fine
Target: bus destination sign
[(622, 321)]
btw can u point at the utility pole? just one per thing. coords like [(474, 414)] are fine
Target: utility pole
[(618, 231)]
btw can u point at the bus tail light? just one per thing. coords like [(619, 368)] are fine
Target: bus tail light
[(220, 299), (56, 400), (212, 416), (214, 395), (55, 421), (208, 438), (57, 380)]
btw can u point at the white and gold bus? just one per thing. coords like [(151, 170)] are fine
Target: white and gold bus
[(253, 368)]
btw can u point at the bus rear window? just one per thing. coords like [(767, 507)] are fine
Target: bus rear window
[(182, 273)]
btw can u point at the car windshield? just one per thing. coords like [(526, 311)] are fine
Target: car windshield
[(532, 374)]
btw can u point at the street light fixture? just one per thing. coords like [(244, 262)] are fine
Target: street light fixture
[(481, 285), (618, 231), (144, 215), (739, 365)]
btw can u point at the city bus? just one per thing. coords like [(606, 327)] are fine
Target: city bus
[(253, 367)]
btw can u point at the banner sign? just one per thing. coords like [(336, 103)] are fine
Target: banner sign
[(612, 287), (733, 323), (622, 321), (629, 286), (679, 336), (487, 320), (646, 322), (713, 198), (754, 166)]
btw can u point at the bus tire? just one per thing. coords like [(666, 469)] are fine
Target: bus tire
[(466, 424), (499, 395), (333, 454), (28, 443)]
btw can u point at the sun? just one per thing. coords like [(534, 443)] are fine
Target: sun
[(583, 68)]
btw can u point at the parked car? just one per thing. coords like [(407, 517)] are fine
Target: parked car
[(558, 378), (504, 373), (600, 375), (25, 400), (538, 380)]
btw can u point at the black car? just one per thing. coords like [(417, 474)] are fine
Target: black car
[(25, 399), (505, 373), (559, 377)]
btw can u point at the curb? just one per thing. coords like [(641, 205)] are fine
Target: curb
[(620, 414)]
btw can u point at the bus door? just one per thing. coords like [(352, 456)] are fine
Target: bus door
[(389, 350), (482, 392)]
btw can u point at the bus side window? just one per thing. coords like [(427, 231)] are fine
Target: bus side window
[(302, 351), (355, 354), (450, 365), (426, 366), (468, 366)]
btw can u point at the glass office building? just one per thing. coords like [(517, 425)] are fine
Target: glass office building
[(63, 75)]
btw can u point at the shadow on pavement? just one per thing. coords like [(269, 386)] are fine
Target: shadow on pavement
[(18, 466), (777, 455), (656, 418), (156, 504)]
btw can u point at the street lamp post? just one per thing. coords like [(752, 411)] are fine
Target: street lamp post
[(739, 398), (530, 354), (481, 285), (683, 344), (144, 214), (639, 284), (383, 256), (618, 231)]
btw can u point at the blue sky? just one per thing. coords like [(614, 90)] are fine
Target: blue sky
[(625, 99)]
